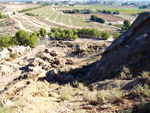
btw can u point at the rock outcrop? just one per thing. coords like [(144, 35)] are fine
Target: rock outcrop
[(131, 50)]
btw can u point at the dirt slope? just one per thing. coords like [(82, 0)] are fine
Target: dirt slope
[(130, 50)]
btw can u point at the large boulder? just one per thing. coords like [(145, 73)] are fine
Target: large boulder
[(38, 61), (130, 50), (53, 53), (81, 48), (51, 74), (64, 78)]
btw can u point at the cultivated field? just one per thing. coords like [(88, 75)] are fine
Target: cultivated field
[(107, 17), (67, 20), (121, 9)]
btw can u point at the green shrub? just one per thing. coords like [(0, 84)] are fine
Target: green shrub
[(105, 35), (116, 35), (6, 41), (22, 37), (43, 32)]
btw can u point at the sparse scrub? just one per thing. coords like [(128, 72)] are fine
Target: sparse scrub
[(116, 35), (66, 93), (13, 55), (9, 59), (125, 73), (145, 74), (40, 54)]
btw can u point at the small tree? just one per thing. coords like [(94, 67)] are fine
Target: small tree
[(22, 37), (1, 16), (14, 13), (100, 20), (57, 35), (43, 32), (126, 25), (105, 35), (33, 40), (50, 35), (75, 36), (93, 17), (5, 41), (37, 33)]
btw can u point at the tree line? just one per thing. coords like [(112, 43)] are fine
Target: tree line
[(68, 34), (97, 19), (108, 12), (93, 33), (21, 38), (29, 9), (31, 14), (3, 16), (60, 34), (85, 11)]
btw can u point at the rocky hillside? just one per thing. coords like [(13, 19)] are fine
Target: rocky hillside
[(131, 50)]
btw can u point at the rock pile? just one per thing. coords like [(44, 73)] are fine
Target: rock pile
[(18, 50), (52, 65), (7, 67)]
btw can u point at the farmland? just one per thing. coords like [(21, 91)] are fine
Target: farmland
[(65, 19), (121, 9)]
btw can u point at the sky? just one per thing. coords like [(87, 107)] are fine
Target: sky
[(78, 0)]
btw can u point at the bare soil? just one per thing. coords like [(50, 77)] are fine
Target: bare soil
[(15, 7)]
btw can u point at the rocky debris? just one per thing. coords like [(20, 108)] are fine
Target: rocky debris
[(81, 48), (5, 70), (47, 51), (38, 62), (7, 102), (18, 50), (53, 53), (8, 67), (130, 50), (4, 54), (69, 62), (64, 78), (51, 74)]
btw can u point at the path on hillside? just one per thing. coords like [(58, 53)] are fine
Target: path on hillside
[(20, 25)]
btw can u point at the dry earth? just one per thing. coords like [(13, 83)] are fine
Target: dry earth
[(15, 7)]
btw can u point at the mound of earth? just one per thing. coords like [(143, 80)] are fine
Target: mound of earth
[(131, 50)]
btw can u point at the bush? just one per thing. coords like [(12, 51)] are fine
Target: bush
[(31, 14), (50, 35), (126, 25), (95, 18), (33, 40), (6, 41), (22, 37), (105, 35), (43, 32), (100, 20), (116, 35)]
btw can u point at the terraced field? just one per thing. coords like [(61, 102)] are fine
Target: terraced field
[(65, 19)]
